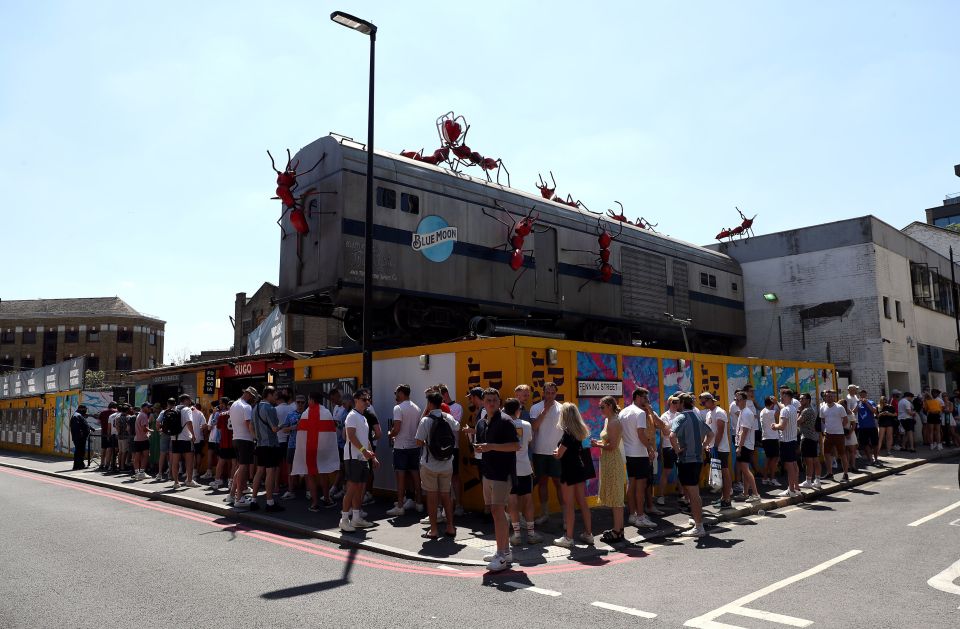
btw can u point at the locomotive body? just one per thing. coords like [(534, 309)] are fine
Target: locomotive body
[(442, 257)]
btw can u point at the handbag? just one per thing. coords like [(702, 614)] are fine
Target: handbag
[(716, 477)]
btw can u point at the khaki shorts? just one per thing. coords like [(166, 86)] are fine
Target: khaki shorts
[(434, 481), (495, 492)]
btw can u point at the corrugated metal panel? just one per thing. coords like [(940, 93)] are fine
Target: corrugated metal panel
[(681, 290), (644, 284)]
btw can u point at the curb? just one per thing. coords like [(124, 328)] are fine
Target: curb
[(392, 551)]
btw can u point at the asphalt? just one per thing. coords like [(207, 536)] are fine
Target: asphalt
[(78, 555), (400, 537)]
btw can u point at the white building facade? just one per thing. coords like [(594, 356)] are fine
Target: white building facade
[(858, 293)]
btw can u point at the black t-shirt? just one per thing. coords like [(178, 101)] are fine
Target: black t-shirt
[(372, 420), (499, 465), (570, 460)]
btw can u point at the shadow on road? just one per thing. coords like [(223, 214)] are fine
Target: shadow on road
[(710, 541), (313, 588)]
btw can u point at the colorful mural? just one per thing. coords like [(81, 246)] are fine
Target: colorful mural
[(594, 366), (677, 376), (65, 405), (643, 372), (709, 378), (762, 378), (807, 382), (786, 377)]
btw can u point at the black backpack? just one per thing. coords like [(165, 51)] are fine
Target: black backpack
[(441, 442), (170, 421)]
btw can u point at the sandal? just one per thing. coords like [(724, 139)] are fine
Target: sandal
[(429, 536), (452, 533), (611, 536)]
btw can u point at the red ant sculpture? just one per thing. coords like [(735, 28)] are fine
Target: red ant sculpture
[(548, 193), (452, 130), (604, 239), (622, 217), (745, 228), (643, 223), (517, 232), (286, 185), (747, 223)]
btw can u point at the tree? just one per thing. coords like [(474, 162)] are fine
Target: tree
[(94, 379)]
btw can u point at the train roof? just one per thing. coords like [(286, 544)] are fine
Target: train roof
[(665, 243)]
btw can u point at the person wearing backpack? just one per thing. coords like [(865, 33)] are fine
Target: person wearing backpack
[(436, 436), (691, 437), (178, 423)]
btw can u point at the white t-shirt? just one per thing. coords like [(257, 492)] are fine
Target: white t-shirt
[(668, 417), (408, 415), (748, 420), (767, 420), (832, 417), (525, 434), (359, 423), (423, 434), (734, 415), (904, 409), (240, 414), (199, 421), (852, 402), (788, 416), (186, 420), (633, 419), (283, 411), (548, 435), (456, 411), (712, 418)]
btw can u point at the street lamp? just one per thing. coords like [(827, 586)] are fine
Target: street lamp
[(365, 27), (684, 324)]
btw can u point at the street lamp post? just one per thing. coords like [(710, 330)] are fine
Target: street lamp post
[(684, 324), (367, 28)]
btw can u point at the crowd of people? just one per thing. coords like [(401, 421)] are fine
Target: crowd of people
[(325, 445)]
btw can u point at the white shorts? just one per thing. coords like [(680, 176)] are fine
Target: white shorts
[(851, 439)]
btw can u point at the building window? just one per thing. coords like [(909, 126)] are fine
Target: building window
[(71, 335), (29, 337), (93, 335), (708, 279), (27, 362), (8, 337), (387, 198), (124, 363), (409, 203), (734, 286), (152, 338), (93, 363), (124, 335), (899, 310), (886, 307)]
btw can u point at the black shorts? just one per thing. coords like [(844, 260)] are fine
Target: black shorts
[(745, 455), (887, 422), (689, 473), (181, 447), (669, 458), (933, 419), (291, 452), (522, 485), (268, 456), (356, 471), (724, 458), (105, 442), (141, 446), (868, 437), (788, 451), (456, 461), (406, 460), (638, 467), (244, 451), (198, 448), (771, 448), (909, 424), (809, 448), (227, 454)]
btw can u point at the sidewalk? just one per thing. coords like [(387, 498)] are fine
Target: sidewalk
[(400, 537)]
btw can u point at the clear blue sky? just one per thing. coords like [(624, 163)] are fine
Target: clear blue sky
[(134, 134)]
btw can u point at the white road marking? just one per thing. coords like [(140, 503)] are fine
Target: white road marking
[(935, 514), (770, 616), (707, 621), (443, 567), (945, 580), (955, 523), (622, 609), (530, 588)]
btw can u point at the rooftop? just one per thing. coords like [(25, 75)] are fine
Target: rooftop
[(76, 307)]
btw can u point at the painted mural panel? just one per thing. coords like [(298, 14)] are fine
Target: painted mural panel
[(709, 377), (677, 376), (807, 380), (786, 377), (594, 366), (762, 378), (640, 371), (65, 406), (535, 371), (737, 377)]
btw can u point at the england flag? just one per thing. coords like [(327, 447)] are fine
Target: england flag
[(316, 450)]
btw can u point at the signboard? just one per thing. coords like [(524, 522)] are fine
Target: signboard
[(5, 388), (170, 378), (209, 381), (71, 374), (35, 381), (269, 337), (434, 238), (51, 378), (599, 388), (242, 370)]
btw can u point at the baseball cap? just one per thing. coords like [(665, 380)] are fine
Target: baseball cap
[(706, 395), (475, 391), (252, 391)]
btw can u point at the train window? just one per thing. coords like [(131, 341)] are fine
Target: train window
[(409, 203), (703, 279), (713, 281), (708, 279), (734, 287), (886, 307), (387, 198)]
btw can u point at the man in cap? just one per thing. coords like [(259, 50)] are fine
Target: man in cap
[(717, 419), (141, 442), (241, 422), (79, 432)]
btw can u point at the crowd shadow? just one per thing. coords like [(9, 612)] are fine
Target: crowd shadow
[(313, 588)]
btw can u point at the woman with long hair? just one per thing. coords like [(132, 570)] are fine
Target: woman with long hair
[(887, 421), (573, 474), (613, 471)]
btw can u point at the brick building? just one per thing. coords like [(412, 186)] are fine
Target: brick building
[(858, 293), (303, 333), (106, 330)]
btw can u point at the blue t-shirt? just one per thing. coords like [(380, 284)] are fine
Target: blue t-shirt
[(292, 419), (690, 430), (865, 416)]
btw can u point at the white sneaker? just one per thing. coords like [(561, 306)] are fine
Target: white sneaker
[(631, 520), (360, 523), (753, 498), (784, 493), (691, 522), (418, 506), (345, 526), (543, 519), (586, 538), (939, 446), (644, 522), (216, 484), (696, 531), (158, 477), (661, 501), (508, 556), (409, 504), (395, 511), (515, 539), (775, 482), (246, 501), (206, 476), (497, 564), (896, 448), (191, 483), (806, 484), (817, 484), (563, 542), (795, 494), (288, 496)]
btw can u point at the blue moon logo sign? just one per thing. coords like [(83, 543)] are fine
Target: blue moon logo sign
[(434, 238)]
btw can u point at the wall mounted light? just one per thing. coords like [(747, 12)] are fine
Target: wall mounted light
[(553, 356), (771, 297), (216, 383), (424, 361), (270, 375)]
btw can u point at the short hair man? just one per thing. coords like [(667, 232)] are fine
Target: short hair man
[(165, 439), (690, 437), (499, 448), (108, 440), (226, 450), (868, 433), (356, 455), (786, 424), (523, 394), (835, 422), (406, 454), (521, 494), (268, 451), (181, 445), (79, 432), (436, 473), (456, 411), (288, 425), (716, 418), (141, 442), (241, 416), (907, 416), (638, 450), (545, 418)]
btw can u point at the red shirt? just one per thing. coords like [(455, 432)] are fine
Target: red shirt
[(445, 408), (105, 427), (226, 434)]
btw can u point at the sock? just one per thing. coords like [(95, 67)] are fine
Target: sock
[(356, 514), (516, 527), (344, 515), (529, 526)]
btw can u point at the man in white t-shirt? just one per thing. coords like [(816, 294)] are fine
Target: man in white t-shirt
[(745, 445), (241, 423), (284, 407), (717, 420), (637, 449), (436, 472), (787, 426), (357, 457), (835, 420), (182, 445), (907, 417), (199, 439), (456, 411), (545, 421), (669, 457), (406, 454), (521, 493)]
